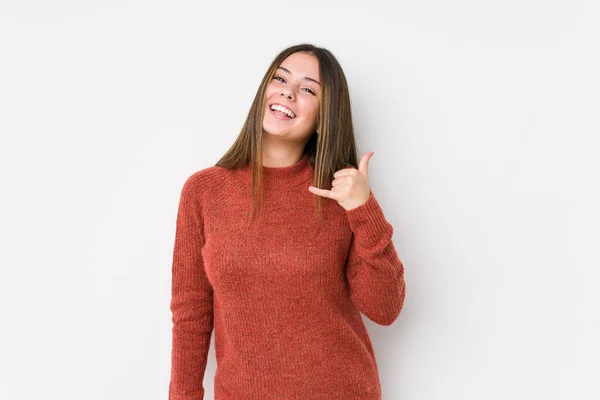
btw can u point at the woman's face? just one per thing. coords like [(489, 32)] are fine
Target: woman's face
[(295, 87)]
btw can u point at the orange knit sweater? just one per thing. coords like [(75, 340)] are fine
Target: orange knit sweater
[(284, 295)]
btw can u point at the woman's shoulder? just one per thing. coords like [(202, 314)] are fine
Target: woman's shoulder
[(205, 174), (207, 179)]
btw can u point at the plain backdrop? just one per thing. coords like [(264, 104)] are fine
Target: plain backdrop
[(483, 116)]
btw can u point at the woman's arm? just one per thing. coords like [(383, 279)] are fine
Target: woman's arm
[(374, 271), (191, 303)]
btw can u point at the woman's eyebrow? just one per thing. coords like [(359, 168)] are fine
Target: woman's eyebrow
[(306, 77)]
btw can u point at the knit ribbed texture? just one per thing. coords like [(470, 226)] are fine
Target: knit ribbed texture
[(284, 295)]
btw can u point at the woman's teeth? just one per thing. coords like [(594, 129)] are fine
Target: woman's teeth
[(283, 111)]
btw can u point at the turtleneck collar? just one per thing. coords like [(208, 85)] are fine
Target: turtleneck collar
[(288, 176)]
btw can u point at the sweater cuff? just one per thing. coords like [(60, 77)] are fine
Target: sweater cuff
[(368, 219)]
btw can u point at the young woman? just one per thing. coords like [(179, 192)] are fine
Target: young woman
[(280, 246)]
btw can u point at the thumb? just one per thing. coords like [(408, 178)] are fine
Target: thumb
[(363, 164)]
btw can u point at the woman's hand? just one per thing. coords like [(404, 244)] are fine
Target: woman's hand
[(350, 186)]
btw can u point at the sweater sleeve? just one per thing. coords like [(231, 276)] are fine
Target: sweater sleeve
[(374, 271), (191, 302)]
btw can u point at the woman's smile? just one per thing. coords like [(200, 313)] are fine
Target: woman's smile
[(280, 115)]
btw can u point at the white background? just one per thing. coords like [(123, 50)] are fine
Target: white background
[(483, 117)]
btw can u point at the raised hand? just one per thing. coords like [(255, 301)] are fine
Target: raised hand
[(350, 186)]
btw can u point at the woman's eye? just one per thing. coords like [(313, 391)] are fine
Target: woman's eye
[(283, 80)]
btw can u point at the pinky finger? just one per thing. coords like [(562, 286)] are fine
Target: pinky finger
[(321, 192)]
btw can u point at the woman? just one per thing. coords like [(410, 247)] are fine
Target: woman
[(280, 246)]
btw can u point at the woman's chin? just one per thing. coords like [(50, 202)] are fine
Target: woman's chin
[(270, 130)]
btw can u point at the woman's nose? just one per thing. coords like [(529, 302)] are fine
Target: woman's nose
[(287, 94)]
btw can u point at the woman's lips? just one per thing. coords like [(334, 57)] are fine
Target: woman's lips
[(280, 115)]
